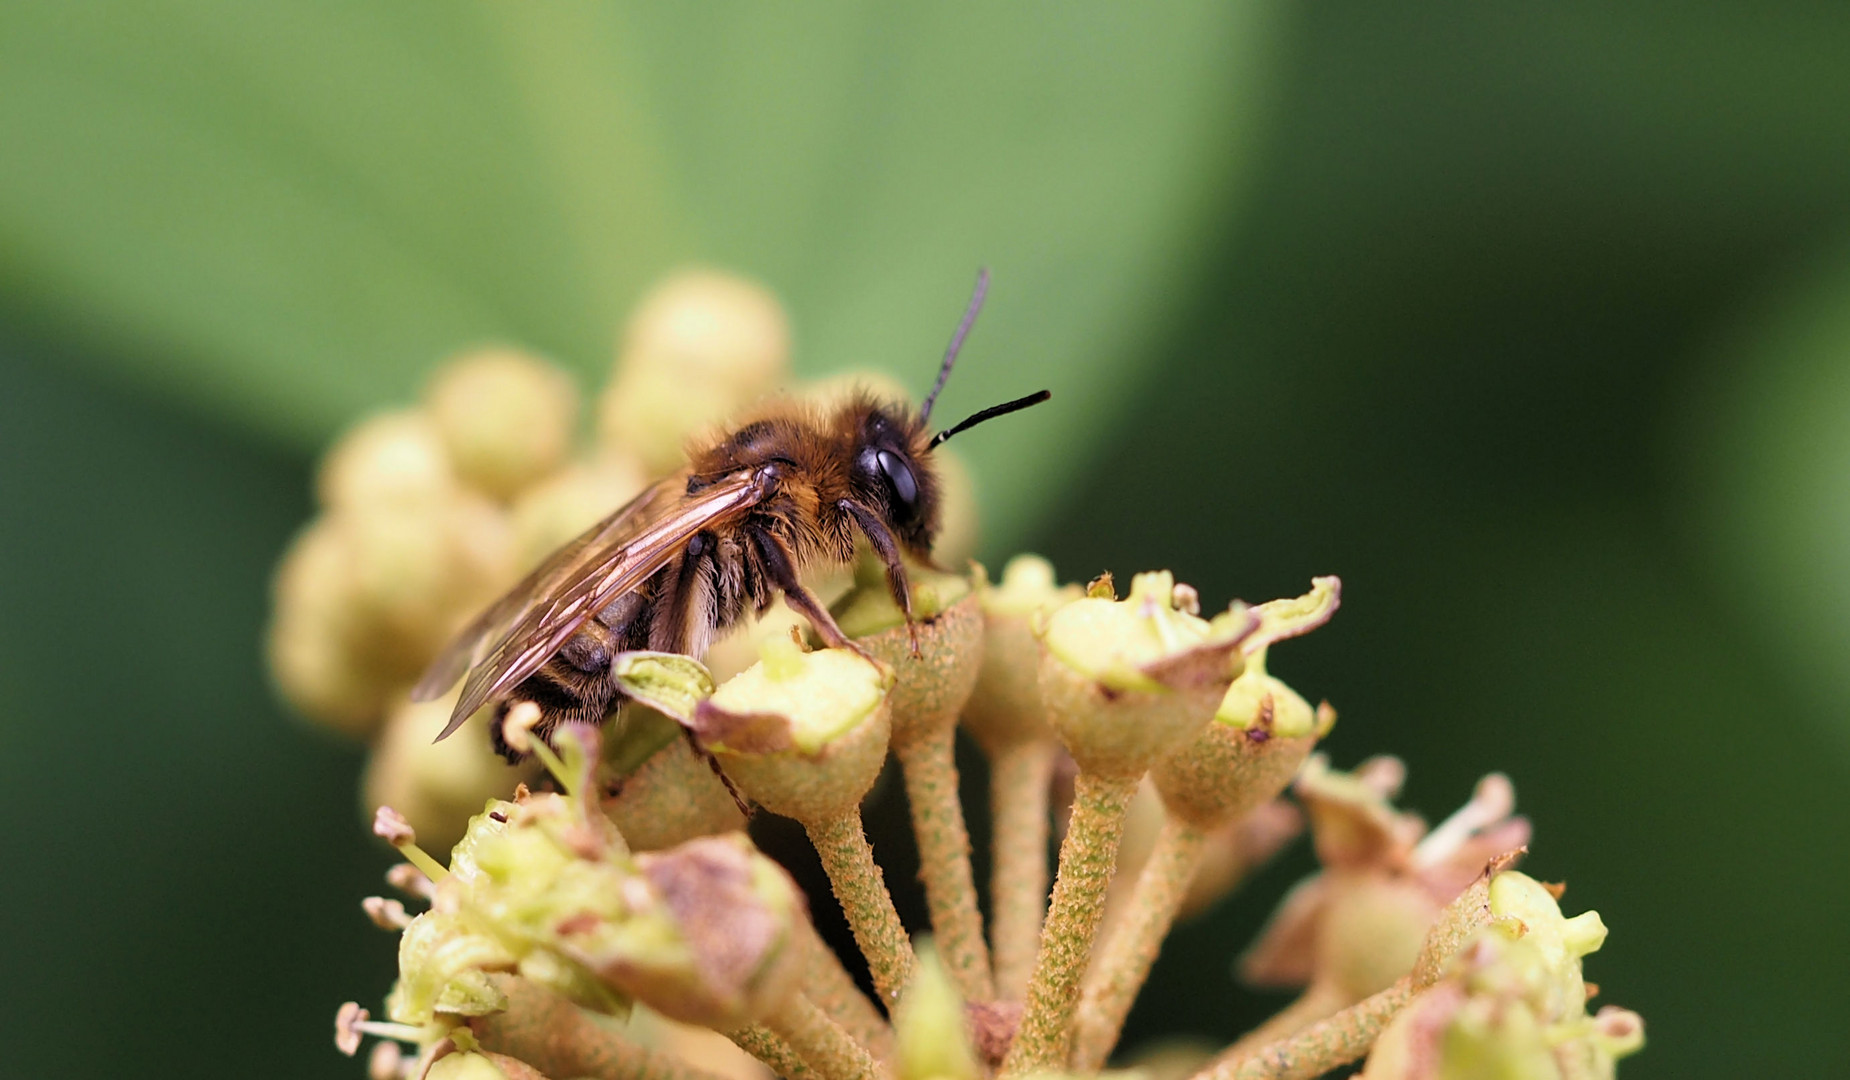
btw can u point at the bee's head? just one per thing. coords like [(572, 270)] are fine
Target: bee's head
[(892, 474)]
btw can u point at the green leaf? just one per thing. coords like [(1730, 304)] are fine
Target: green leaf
[(287, 214)]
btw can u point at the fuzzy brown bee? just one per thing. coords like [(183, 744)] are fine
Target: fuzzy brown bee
[(793, 485)]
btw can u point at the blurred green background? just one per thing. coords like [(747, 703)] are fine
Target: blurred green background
[(1534, 325)]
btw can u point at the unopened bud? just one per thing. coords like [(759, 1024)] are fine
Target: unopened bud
[(1005, 706), (959, 524), (312, 632), (548, 514), (465, 1065), (699, 346), (505, 417), (386, 458), (930, 1026)]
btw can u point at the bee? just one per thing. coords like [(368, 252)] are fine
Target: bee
[(794, 485)]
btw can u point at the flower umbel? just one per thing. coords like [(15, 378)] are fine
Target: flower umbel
[(599, 896)]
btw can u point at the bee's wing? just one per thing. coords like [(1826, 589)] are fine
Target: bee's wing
[(614, 558), (474, 642)]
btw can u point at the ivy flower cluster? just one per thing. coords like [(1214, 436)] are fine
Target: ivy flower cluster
[(606, 913)]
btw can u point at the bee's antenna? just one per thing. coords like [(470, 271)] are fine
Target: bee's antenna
[(957, 343), (990, 414)]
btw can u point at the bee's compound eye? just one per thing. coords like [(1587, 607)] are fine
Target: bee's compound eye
[(899, 474)]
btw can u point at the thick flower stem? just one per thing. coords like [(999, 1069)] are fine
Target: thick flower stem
[(930, 769), (860, 888), (758, 1041), (1119, 971), (830, 986), (1088, 857), (559, 1039), (1314, 1004), (1322, 1046), (1019, 777), (821, 1042)]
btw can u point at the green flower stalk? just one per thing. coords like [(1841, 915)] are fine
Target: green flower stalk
[(1261, 734), (804, 734), (559, 1039), (823, 779), (930, 688), (829, 985), (1006, 718), (1125, 684)]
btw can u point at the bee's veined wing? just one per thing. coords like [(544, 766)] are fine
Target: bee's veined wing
[(472, 644), (541, 614)]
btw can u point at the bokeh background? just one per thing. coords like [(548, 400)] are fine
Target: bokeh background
[(1533, 324)]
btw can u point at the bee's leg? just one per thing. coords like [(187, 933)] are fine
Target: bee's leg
[(738, 798), (888, 549), (783, 574), (516, 720)]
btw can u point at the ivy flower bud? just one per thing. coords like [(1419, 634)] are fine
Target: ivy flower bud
[(1005, 708), (416, 566), (555, 510), (310, 644), (1357, 927), (368, 593), (803, 733), (1262, 729), (386, 458), (1511, 1002), (471, 1065), (931, 685), (931, 1027), (1128, 682), (959, 528), (699, 346), (506, 418), (709, 935), (443, 957)]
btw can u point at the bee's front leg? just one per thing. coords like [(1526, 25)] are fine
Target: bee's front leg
[(782, 571), (887, 548)]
